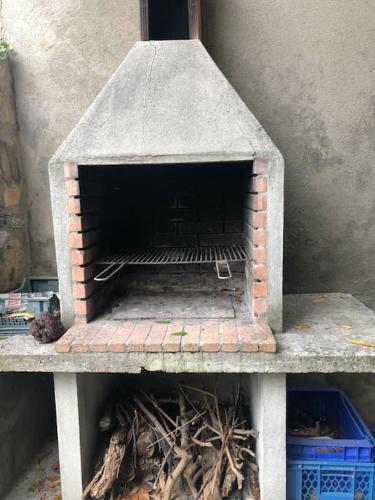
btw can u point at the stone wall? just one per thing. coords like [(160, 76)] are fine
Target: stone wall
[(14, 239)]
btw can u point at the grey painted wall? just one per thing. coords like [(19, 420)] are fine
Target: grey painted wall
[(305, 68)]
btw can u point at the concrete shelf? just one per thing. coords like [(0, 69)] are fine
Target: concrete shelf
[(316, 338)]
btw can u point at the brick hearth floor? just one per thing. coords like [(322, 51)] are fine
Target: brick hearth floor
[(168, 336)]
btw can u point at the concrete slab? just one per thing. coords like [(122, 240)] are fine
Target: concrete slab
[(322, 346), (174, 306)]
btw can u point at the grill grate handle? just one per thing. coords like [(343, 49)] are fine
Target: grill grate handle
[(104, 276), (223, 265)]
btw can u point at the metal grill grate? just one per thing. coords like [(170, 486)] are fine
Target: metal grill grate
[(202, 255), (221, 255)]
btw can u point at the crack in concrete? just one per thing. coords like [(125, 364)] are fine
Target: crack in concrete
[(147, 94)]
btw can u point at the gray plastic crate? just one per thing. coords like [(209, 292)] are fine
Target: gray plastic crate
[(39, 284), (35, 293), (10, 326)]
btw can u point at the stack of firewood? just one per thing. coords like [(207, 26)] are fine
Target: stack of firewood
[(190, 447)]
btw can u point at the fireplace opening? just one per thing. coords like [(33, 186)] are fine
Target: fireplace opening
[(167, 241)]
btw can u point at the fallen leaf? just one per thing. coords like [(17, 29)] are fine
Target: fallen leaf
[(163, 321), (32, 487), (41, 484), (344, 325), (139, 494), (318, 300), (302, 326), (53, 479), (57, 497), (365, 343), (238, 295), (179, 334), (53, 482)]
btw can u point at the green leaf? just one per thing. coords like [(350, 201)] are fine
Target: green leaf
[(5, 49), (32, 487), (3, 337), (163, 321), (179, 334)]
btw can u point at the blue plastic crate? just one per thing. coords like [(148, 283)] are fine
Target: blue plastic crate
[(330, 481), (331, 407)]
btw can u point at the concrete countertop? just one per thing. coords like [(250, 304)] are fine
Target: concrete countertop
[(318, 330)]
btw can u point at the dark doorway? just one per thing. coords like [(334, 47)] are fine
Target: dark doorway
[(168, 19)]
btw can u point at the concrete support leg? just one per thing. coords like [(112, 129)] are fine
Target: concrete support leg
[(268, 408), (79, 399), (68, 432)]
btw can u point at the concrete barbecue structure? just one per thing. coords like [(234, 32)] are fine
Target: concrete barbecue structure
[(169, 116), (167, 126), (168, 105)]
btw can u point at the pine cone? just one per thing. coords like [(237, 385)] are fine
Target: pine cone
[(47, 328)]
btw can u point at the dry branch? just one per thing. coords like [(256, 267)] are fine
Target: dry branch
[(168, 449), (108, 472)]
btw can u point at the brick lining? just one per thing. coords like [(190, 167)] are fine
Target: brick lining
[(85, 211), (153, 336), (256, 237), (182, 222)]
